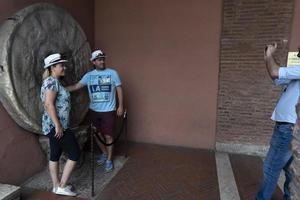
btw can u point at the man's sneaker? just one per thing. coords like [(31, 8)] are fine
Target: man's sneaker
[(64, 191), (102, 159), (109, 165)]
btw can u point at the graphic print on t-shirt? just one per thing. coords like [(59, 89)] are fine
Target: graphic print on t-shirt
[(100, 88)]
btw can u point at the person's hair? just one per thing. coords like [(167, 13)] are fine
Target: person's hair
[(46, 73)]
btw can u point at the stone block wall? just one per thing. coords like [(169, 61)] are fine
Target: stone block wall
[(295, 166)]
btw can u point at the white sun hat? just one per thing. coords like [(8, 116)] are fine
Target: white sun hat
[(97, 54), (53, 59)]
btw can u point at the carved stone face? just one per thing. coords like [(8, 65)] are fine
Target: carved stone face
[(26, 39)]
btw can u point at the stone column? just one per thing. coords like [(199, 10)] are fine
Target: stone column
[(295, 166)]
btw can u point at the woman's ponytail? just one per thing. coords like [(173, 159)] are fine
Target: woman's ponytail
[(46, 73)]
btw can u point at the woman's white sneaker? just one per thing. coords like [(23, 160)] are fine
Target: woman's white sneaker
[(67, 186), (64, 191)]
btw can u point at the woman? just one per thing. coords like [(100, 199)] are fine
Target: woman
[(55, 123)]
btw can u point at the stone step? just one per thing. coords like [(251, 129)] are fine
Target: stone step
[(9, 192), (227, 184), (239, 176)]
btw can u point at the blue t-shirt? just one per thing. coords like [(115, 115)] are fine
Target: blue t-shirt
[(102, 89), (62, 104)]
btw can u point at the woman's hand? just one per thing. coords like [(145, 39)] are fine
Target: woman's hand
[(59, 131)]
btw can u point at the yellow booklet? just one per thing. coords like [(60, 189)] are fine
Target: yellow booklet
[(293, 59)]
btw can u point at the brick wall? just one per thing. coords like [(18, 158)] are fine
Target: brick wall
[(246, 94)]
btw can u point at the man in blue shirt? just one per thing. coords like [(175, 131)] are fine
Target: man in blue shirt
[(102, 83), (279, 155)]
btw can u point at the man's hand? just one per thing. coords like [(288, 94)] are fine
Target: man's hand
[(272, 66), (269, 50), (120, 111)]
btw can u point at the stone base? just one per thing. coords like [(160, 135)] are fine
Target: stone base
[(81, 178), (10, 192), (247, 149)]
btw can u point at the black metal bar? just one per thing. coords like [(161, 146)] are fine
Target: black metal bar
[(125, 136), (92, 159)]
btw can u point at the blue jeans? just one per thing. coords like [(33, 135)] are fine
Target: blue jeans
[(279, 157)]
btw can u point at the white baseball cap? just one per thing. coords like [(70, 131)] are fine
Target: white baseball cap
[(53, 59), (97, 54)]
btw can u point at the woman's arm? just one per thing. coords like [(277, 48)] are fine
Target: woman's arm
[(50, 97)]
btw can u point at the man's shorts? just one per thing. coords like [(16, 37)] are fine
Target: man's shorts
[(104, 121)]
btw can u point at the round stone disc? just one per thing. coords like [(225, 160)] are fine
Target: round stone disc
[(26, 39)]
